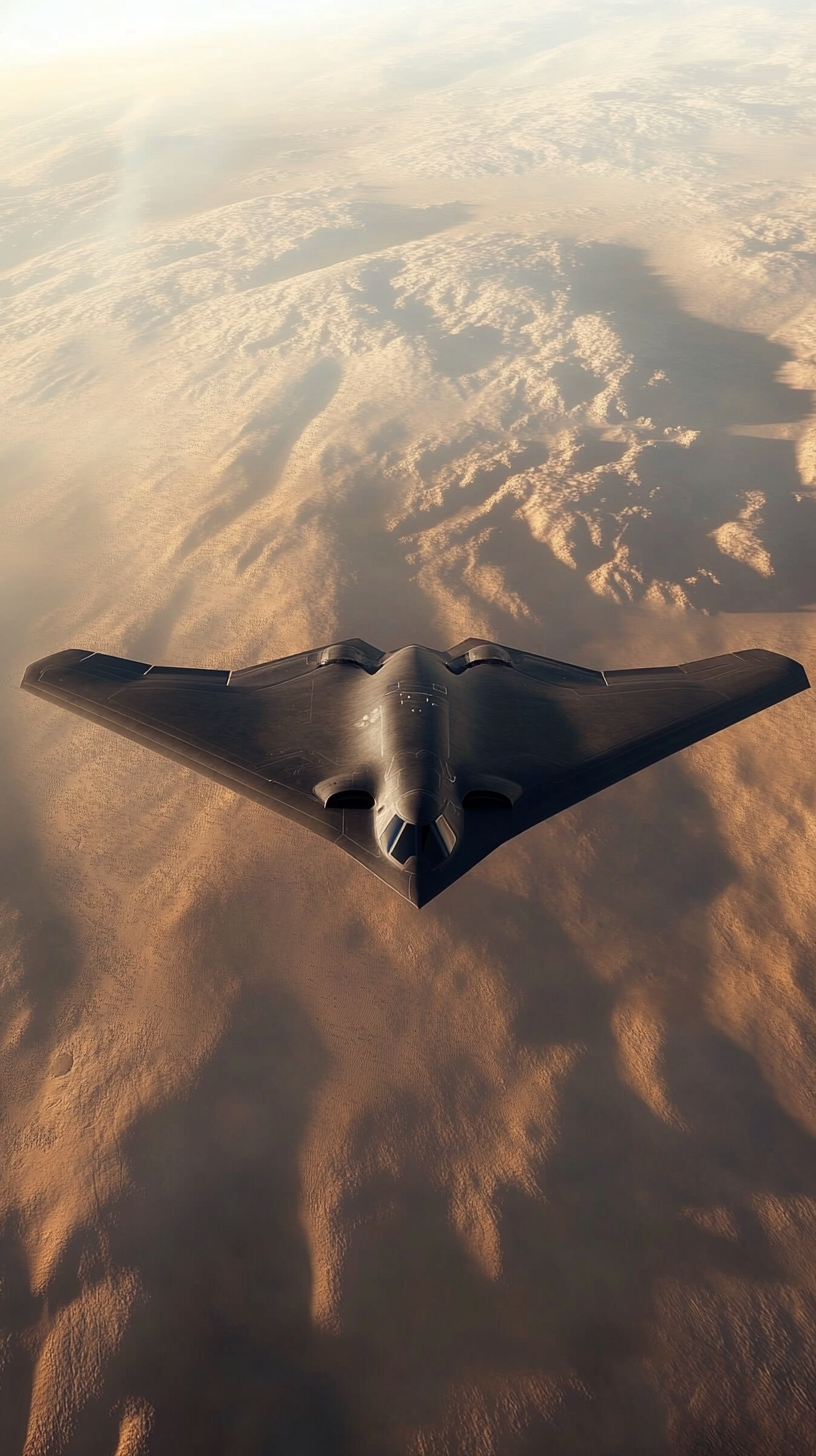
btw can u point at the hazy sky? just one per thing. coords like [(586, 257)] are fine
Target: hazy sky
[(35, 29)]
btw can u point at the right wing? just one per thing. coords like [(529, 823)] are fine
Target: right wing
[(551, 734)]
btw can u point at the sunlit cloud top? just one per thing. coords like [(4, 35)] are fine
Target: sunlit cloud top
[(32, 30)]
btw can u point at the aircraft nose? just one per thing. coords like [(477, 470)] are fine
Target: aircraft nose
[(419, 888)]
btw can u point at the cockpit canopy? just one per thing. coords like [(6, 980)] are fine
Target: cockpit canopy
[(432, 843)]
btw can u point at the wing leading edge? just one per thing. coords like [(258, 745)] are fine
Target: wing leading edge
[(551, 733)]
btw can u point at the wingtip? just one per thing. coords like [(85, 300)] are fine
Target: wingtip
[(788, 666), (69, 658), (795, 672)]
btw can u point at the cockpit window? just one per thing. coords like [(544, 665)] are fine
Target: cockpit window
[(400, 839), (434, 842), (445, 833)]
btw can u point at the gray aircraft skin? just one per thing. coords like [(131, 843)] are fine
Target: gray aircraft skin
[(417, 763)]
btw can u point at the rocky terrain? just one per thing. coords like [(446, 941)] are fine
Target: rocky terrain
[(410, 328)]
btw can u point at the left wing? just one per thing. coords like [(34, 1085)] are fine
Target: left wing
[(270, 732)]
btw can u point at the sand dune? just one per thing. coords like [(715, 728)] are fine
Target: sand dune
[(444, 326)]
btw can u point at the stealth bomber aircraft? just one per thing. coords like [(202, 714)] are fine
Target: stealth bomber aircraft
[(417, 763)]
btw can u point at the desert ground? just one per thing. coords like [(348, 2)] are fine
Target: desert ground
[(430, 324)]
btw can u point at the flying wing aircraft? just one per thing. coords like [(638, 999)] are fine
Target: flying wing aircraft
[(417, 763)]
